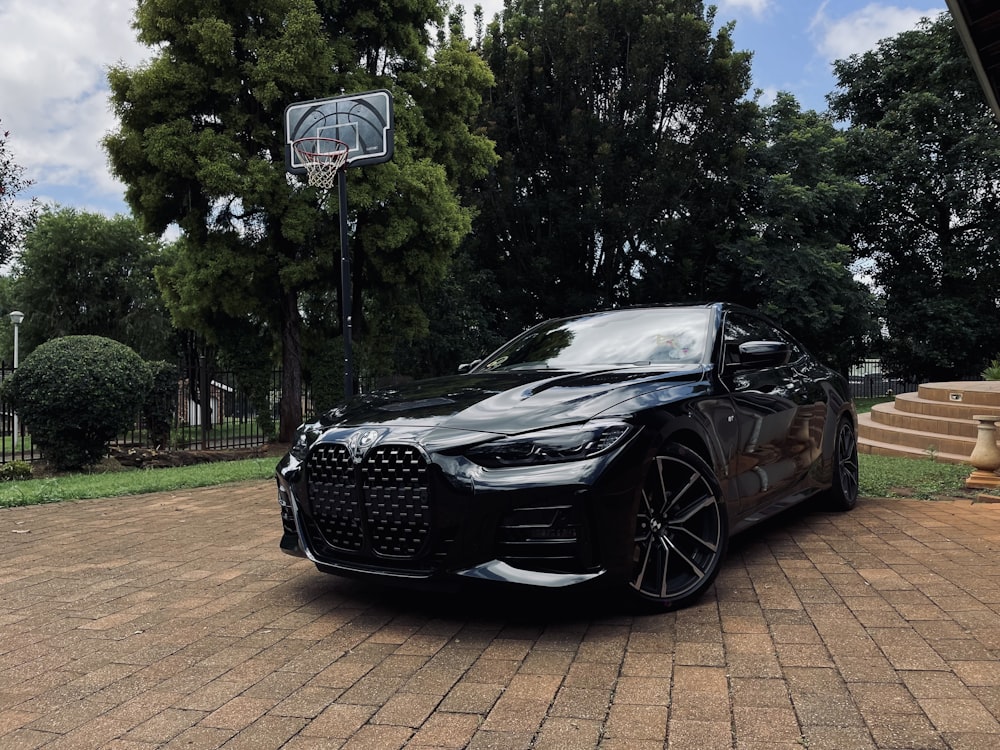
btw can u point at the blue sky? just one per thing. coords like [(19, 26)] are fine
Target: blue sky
[(794, 42), (54, 55)]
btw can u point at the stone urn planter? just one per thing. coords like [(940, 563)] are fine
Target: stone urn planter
[(985, 458)]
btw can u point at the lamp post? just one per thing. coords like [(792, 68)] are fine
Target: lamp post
[(16, 318)]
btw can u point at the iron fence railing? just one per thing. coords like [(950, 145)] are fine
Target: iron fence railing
[(868, 381), (226, 419)]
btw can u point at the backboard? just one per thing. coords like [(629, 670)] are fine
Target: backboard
[(363, 121)]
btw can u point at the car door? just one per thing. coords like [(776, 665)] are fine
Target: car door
[(775, 409)]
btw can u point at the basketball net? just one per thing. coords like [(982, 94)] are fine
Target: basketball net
[(322, 158)]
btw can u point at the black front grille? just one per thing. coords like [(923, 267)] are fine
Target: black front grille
[(333, 498), (394, 482), (378, 507)]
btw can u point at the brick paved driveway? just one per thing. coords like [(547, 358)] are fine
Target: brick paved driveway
[(172, 620)]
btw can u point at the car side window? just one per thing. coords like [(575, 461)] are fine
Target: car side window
[(740, 328)]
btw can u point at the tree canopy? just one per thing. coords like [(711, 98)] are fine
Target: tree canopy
[(637, 167), (82, 273), (927, 149), (621, 129), (16, 214), (200, 145), (793, 258)]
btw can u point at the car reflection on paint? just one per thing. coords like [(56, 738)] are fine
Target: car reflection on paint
[(623, 446)]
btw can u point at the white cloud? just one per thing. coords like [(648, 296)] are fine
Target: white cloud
[(755, 8), (768, 95), (860, 31), (53, 86)]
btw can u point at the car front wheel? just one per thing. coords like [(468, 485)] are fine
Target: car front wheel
[(843, 492), (681, 531)]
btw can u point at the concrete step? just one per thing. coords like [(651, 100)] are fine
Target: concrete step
[(891, 449), (888, 415), (928, 443), (982, 392), (913, 403)]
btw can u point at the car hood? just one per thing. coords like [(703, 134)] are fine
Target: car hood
[(508, 402)]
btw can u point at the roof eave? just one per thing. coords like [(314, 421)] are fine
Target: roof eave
[(963, 20)]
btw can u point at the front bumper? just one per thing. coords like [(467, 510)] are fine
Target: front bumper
[(548, 526)]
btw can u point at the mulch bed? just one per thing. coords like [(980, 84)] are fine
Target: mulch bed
[(149, 458)]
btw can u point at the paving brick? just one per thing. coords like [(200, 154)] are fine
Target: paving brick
[(486, 739), (759, 692), (406, 709), (446, 730), (561, 733), (959, 715), (631, 722), (471, 697), (267, 733), (512, 714), (371, 737), (696, 734), (581, 703)]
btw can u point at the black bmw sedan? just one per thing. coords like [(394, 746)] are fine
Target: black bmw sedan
[(626, 446)]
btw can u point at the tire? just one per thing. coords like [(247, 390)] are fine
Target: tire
[(681, 531), (843, 492)]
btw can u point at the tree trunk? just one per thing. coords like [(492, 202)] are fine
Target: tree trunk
[(290, 408)]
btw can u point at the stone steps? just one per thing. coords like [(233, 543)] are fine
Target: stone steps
[(936, 421)]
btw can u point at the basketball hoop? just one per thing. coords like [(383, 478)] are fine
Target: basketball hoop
[(322, 159)]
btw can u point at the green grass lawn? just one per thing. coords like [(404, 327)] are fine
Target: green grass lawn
[(881, 476), (865, 404), (892, 476), (132, 481)]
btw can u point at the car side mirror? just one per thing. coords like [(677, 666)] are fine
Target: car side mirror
[(468, 365), (763, 353)]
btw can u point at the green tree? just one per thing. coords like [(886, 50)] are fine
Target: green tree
[(463, 326), (82, 273), (16, 215), (200, 144), (927, 148), (621, 128), (794, 260)]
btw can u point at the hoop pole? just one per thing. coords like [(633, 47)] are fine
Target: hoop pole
[(345, 286)]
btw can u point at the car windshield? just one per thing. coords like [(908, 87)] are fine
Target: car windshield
[(663, 336)]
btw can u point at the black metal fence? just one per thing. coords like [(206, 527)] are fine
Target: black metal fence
[(226, 419), (868, 381)]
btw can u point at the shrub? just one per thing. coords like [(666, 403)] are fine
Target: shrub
[(161, 403), (75, 394), (14, 471), (992, 372)]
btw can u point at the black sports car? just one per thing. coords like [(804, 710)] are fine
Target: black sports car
[(625, 445)]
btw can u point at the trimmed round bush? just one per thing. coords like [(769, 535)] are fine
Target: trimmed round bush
[(75, 394)]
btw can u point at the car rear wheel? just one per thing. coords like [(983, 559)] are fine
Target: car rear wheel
[(843, 493), (681, 531)]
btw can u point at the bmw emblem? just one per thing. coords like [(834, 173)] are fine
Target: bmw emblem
[(359, 443)]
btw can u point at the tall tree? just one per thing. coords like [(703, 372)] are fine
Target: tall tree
[(16, 214), (82, 273), (200, 144), (794, 258), (622, 130), (928, 150)]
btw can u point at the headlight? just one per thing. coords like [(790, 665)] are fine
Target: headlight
[(572, 443), (301, 440)]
